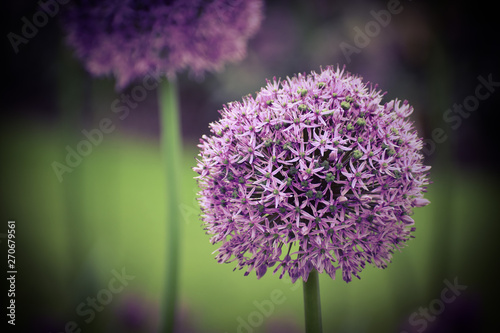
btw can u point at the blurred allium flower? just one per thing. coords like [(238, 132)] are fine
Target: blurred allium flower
[(315, 164), (131, 38)]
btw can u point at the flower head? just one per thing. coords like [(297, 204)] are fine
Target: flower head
[(132, 38), (314, 172)]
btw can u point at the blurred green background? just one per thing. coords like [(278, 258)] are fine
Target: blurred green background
[(109, 210)]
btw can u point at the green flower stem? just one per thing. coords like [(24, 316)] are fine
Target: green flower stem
[(71, 87), (444, 165), (171, 151), (312, 303)]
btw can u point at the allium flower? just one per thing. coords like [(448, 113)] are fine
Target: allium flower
[(315, 164), (131, 38)]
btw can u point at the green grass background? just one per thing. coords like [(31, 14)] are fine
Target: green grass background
[(121, 206)]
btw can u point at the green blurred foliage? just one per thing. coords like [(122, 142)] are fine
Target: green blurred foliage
[(123, 214)]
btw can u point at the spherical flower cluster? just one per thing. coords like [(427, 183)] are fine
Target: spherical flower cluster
[(132, 38), (315, 164)]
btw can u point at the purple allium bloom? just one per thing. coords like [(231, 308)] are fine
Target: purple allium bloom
[(132, 38), (315, 164)]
